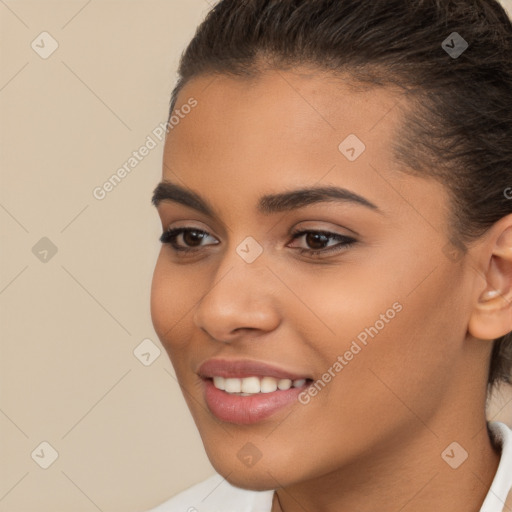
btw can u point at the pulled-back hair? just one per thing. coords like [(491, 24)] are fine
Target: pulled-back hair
[(457, 123)]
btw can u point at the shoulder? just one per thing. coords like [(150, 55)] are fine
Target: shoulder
[(216, 494), (500, 494)]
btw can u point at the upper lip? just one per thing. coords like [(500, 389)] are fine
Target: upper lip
[(241, 368)]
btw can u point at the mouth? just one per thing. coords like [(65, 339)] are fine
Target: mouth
[(249, 386), (247, 392)]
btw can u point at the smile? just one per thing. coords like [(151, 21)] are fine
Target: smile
[(246, 391), (246, 408), (254, 385)]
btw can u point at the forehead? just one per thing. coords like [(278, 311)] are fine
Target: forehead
[(297, 106), (287, 129), (284, 115)]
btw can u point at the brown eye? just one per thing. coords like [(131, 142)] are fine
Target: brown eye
[(192, 238), (316, 242)]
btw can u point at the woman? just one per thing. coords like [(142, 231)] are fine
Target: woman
[(334, 287)]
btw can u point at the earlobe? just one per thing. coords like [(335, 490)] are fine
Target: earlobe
[(491, 317), (489, 295)]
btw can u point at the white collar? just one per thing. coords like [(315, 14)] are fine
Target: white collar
[(502, 482)]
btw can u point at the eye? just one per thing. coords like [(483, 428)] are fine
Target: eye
[(192, 238), (318, 239)]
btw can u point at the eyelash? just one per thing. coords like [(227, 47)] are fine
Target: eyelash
[(169, 237)]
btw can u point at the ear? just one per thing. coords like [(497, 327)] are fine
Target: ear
[(492, 313)]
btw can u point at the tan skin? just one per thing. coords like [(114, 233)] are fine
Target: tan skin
[(373, 438)]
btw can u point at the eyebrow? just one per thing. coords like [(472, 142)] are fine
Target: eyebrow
[(268, 204)]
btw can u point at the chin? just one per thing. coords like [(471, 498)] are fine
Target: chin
[(264, 475), (252, 480)]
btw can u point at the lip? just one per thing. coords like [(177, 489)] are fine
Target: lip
[(241, 368), (246, 410)]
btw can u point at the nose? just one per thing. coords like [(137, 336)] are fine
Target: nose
[(239, 299)]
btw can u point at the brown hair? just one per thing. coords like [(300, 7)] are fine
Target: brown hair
[(458, 127)]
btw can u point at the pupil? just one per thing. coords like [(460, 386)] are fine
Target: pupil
[(190, 237), (313, 238)]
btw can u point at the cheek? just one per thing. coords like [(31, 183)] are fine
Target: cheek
[(170, 303), (344, 305), (408, 335)]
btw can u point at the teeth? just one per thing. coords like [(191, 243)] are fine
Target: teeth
[(218, 382), (252, 385), (233, 385), (284, 384), (268, 385)]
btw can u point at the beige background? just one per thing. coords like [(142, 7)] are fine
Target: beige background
[(70, 323)]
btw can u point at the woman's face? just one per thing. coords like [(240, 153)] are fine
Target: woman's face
[(374, 316)]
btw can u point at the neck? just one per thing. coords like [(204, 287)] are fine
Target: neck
[(409, 475)]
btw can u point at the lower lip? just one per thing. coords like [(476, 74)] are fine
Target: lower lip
[(245, 410)]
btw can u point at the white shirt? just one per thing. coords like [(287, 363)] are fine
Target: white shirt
[(215, 494)]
